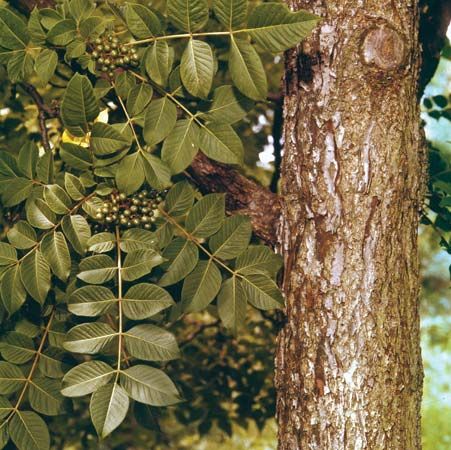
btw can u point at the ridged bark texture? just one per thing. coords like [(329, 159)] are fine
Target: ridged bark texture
[(348, 365)]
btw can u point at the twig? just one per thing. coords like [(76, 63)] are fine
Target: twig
[(44, 112), (199, 330)]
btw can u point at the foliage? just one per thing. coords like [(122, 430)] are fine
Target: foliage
[(108, 246)]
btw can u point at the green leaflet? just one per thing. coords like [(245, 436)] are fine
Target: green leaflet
[(190, 15), (108, 408), (102, 242), (28, 158), (13, 30), (228, 106), (201, 286), (105, 139), (151, 343), (45, 65), (158, 61), (246, 69), (77, 231), (137, 239), (206, 216), (232, 239), (74, 186), (258, 259), (57, 199), (144, 300), (159, 120), (11, 378), (262, 292), (275, 28), (63, 32), (139, 263), (90, 338), (79, 106), (17, 348), (149, 385), (232, 304), (29, 432), (230, 13), (35, 275), (56, 253), (183, 256), (131, 164), (180, 199), (8, 254), (138, 98), (17, 190), (221, 143), (12, 290), (97, 269), (40, 215), (45, 397), (142, 21), (22, 235), (157, 173), (86, 378), (180, 146), (91, 301), (76, 156), (197, 68)]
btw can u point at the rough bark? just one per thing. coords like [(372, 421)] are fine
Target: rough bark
[(348, 365)]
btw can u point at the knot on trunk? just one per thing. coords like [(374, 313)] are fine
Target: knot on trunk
[(383, 47)]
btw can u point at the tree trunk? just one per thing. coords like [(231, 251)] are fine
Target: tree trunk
[(348, 365)]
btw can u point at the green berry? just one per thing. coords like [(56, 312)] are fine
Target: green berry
[(144, 219), (135, 221), (99, 48), (123, 221), (127, 212), (105, 210), (126, 59), (99, 216), (98, 41), (159, 199), (122, 196), (133, 208), (147, 226)]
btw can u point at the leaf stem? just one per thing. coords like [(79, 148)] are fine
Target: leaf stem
[(192, 238), (129, 120), (37, 356), (184, 35), (119, 298)]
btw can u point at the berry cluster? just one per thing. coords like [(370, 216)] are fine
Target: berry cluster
[(137, 210), (110, 54)]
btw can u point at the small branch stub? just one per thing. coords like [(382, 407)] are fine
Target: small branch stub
[(384, 48)]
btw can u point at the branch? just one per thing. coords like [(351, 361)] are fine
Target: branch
[(199, 330), (243, 195), (26, 6), (44, 112)]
